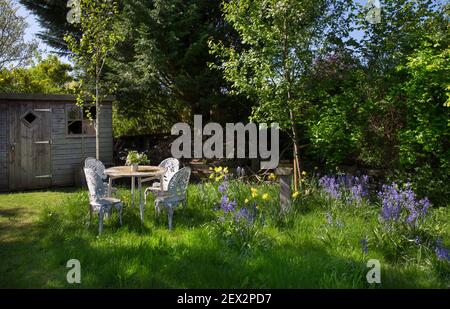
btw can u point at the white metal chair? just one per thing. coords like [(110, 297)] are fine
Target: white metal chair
[(175, 193), (98, 201), (172, 166), (99, 168)]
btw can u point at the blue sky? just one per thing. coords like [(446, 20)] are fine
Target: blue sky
[(33, 25)]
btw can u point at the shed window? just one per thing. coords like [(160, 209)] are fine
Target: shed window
[(29, 118), (80, 120)]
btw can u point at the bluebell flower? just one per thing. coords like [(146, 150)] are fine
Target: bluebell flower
[(331, 186), (417, 240), (442, 253), (402, 204), (364, 245), (226, 204), (223, 187)]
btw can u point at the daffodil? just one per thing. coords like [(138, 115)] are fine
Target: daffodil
[(272, 177), (218, 169), (254, 192), (210, 168), (218, 178), (225, 170), (265, 196), (295, 194), (211, 176), (246, 201)]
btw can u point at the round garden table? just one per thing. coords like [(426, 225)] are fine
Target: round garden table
[(144, 173)]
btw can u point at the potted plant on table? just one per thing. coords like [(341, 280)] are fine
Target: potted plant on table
[(135, 158)]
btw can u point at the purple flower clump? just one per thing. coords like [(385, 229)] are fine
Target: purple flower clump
[(226, 204), (245, 215), (442, 253), (223, 187), (331, 186), (358, 189), (355, 187), (402, 205)]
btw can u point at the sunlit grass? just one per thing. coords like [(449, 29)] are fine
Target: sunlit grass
[(41, 231)]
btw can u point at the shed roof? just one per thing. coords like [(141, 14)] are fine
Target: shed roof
[(55, 98)]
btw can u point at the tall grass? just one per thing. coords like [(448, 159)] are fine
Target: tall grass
[(298, 249)]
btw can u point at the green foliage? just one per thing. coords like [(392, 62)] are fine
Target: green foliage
[(91, 50), (384, 105), (377, 99), (48, 75), (161, 68), (279, 40)]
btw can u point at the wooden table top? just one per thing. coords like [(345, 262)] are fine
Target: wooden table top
[(143, 171)]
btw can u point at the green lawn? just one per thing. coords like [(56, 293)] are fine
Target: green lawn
[(41, 231)]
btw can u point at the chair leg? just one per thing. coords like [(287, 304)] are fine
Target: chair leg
[(170, 216), (157, 209), (145, 196), (120, 214), (100, 222), (90, 216)]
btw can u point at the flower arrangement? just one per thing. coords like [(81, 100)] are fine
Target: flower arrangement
[(135, 158)]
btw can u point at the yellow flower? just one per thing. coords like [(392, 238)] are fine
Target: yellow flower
[(211, 176), (225, 170), (246, 201), (295, 194), (218, 169), (257, 207), (218, 178), (304, 173), (265, 196), (254, 192), (272, 177), (210, 168)]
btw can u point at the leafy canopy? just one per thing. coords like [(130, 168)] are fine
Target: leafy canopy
[(48, 75)]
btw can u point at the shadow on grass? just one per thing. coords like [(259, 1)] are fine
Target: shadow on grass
[(13, 212), (119, 260), (148, 256)]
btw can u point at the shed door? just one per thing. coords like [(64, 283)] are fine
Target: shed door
[(30, 146)]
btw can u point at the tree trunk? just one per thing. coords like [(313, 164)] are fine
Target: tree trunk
[(288, 79), (97, 120), (295, 142)]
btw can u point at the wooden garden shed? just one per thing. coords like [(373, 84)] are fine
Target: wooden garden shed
[(44, 140)]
